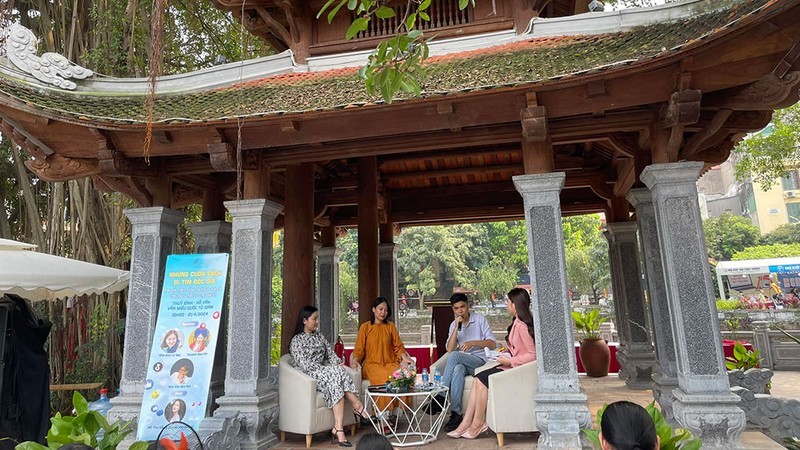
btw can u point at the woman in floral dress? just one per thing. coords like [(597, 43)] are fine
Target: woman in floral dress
[(314, 357)]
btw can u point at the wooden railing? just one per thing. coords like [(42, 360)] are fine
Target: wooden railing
[(443, 14)]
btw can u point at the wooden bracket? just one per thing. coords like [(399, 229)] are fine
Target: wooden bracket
[(534, 124), (127, 186), (446, 109), (695, 143), (115, 163), (223, 158), (60, 168), (785, 65), (290, 126), (768, 93), (683, 108)]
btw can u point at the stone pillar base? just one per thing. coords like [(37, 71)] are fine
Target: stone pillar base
[(662, 393), (637, 368), (560, 417), (712, 417), (259, 415)]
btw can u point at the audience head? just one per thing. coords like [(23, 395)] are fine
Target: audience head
[(373, 441), (627, 426), (305, 313), (377, 305), (522, 304)]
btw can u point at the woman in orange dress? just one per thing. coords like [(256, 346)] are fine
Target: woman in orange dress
[(379, 350)]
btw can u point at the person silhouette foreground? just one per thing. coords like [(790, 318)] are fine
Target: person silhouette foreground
[(627, 426)]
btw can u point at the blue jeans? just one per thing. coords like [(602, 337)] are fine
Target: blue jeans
[(459, 365)]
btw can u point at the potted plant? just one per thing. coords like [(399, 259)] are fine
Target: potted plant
[(594, 353), (82, 428)]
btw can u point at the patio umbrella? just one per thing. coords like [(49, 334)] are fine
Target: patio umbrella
[(39, 276)]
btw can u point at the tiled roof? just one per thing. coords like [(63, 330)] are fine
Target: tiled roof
[(524, 62)]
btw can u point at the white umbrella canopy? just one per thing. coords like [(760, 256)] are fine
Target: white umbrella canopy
[(39, 276)]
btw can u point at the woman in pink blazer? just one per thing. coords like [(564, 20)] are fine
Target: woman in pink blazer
[(522, 349)]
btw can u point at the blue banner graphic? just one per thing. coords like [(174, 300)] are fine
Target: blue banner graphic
[(182, 356)]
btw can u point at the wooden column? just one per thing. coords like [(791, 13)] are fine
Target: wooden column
[(537, 147), (298, 260), (213, 209), (368, 272)]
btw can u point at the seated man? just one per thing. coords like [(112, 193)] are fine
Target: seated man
[(469, 334)]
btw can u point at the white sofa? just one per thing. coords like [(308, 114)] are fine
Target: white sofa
[(506, 412), (302, 408)]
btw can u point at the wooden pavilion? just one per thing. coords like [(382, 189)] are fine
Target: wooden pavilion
[(528, 112)]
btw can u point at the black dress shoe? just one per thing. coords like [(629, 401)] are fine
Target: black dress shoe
[(454, 422)]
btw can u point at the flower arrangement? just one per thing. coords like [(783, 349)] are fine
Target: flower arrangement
[(404, 376)]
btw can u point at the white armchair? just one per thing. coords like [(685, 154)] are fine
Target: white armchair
[(511, 404), (302, 408)]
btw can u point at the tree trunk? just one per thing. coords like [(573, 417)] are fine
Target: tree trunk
[(34, 226)]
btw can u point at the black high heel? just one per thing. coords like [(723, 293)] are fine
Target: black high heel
[(362, 417), (335, 438)]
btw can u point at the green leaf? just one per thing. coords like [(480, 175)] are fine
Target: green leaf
[(694, 444), (139, 445), (29, 445), (324, 7), (335, 10), (414, 34), (351, 4), (411, 21), (357, 26), (384, 12), (462, 4), (424, 5), (592, 436), (79, 403)]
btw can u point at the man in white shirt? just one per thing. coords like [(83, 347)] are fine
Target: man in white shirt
[(469, 334)]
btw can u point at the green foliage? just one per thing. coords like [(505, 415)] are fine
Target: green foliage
[(670, 439), (788, 233), (586, 254), (275, 345), (766, 156), (792, 443), (431, 254), (495, 278), (742, 358), (82, 428), (729, 305), (768, 251), (396, 64), (588, 322), (728, 234)]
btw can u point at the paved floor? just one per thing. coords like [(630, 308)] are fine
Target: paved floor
[(599, 390)]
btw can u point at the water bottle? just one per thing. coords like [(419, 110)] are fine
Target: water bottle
[(425, 377), (437, 377), (101, 405)]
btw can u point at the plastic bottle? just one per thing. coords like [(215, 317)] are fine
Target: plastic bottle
[(425, 377), (101, 405), (437, 377)]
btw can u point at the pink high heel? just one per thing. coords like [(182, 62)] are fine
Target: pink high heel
[(471, 436), (455, 434)]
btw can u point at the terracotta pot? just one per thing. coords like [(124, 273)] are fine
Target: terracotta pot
[(595, 357)]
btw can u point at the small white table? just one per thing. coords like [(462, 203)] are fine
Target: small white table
[(420, 428)]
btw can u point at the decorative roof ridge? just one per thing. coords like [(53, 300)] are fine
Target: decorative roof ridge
[(202, 79)]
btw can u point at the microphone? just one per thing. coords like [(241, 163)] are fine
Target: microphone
[(459, 326)]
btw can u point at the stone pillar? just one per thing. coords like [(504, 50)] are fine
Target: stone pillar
[(637, 359), (328, 272), (561, 404), (761, 342), (667, 378), (703, 403), (153, 233), (214, 236), (387, 260), (247, 390)]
